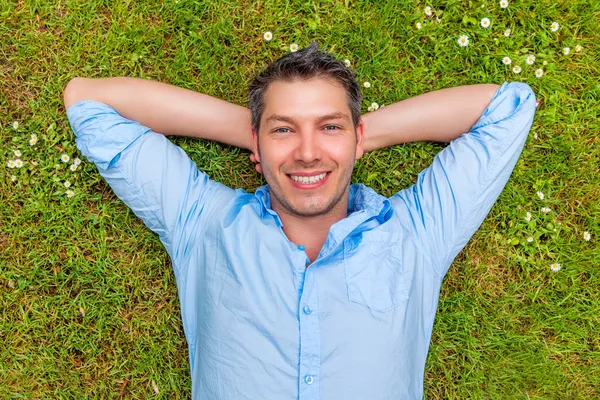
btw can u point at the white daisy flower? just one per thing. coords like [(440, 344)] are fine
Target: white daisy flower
[(530, 59), (503, 3), (347, 62), (540, 195), (370, 109), (535, 135), (539, 72), (506, 60), (65, 158), (73, 167), (76, 161), (17, 153), (10, 164), (507, 32), (555, 267), (463, 41), (528, 216), (578, 48), (367, 84), (428, 11), (418, 25), (586, 236), (375, 106), (517, 69), (554, 27), (545, 210), (544, 62), (293, 47), (13, 178), (529, 239), (268, 36), (33, 140), (485, 22), (566, 51), (18, 163), (70, 193), (381, 106), (67, 184), (15, 125)]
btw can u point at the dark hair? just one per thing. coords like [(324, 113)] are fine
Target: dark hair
[(310, 62)]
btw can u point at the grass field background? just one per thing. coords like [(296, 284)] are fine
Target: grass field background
[(88, 302)]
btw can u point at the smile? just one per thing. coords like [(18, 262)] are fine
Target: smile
[(308, 179)]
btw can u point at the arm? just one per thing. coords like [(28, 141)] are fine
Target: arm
[(167, 109), (440, 116), (155, 178), (452, 196)]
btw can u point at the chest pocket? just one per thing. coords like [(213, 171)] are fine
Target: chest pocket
[(375, 274)]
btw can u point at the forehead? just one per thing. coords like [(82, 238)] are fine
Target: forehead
[(305, 99)]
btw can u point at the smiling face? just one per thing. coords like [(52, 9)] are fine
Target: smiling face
[(307, 146)]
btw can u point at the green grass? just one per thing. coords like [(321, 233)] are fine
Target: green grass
[(507, 327)]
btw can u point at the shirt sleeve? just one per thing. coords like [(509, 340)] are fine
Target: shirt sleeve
[(154, 177), (452, 196)]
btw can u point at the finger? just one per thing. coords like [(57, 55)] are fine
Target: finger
[(252, 158)]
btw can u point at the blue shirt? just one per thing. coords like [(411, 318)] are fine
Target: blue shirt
[(357, 323)]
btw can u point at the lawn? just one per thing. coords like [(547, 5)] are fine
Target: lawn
[(88, 301)]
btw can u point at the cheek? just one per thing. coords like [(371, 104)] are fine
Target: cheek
[(341, 151), (275, 155)]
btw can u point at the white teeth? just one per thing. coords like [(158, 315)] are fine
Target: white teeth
[(308, 179)]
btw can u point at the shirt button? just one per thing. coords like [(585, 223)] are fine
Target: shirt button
[(308, 379), (301, 248), (307, 310)]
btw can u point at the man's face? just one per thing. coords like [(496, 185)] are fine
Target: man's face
[(307, 145)]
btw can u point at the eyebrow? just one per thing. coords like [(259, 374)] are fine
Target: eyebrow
[(283, 118)]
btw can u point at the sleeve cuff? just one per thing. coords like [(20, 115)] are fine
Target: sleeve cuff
[(512, 98), (101, 132)]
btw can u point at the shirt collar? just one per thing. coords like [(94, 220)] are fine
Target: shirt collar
[(364, 204), (264, 199)]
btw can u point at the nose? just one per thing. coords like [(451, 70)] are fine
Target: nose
[(309, 148)]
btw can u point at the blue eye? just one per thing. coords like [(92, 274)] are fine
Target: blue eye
[(286, 130)]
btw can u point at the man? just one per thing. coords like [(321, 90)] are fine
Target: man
[(311, 288)]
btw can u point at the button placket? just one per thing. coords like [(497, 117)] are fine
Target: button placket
[(310, 341)]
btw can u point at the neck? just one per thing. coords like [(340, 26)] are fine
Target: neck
[(310, 232)]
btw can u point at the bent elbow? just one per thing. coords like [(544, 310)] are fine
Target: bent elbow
[(70, 95)]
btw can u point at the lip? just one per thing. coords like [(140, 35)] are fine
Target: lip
[(312, 173), (306, 186)]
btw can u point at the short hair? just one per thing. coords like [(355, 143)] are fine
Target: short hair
[(310, 62)]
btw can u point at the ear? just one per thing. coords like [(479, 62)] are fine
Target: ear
[(255, 157), (255, 145), (360, 137)]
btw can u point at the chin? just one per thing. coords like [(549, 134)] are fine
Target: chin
[(311, 211)]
